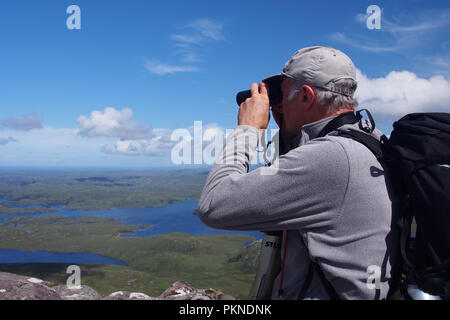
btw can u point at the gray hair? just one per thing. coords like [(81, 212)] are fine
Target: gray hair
[(332, 100)]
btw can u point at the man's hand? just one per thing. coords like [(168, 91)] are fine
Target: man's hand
[(255, 110)]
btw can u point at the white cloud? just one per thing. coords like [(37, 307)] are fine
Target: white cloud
[(182, 40), (198, 31), (51, 147), (139, 140), (25, 123), (366, 45), (399, 33), (189, 44), (419, 22), (151, 147), (161, 144), (194, 35), (402, 92), (59, 147), (207, 29), (155, 66), (69, 146), (4, 141), (113, 123)]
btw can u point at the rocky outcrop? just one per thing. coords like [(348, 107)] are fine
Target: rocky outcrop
[(184, 291), (77, 293), (16, 287), (126, 295)]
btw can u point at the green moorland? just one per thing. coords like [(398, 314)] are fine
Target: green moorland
[(154, 263), (95, 190), (213, 261)]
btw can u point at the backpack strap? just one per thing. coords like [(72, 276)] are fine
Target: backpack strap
[(339, 121), (307, 282), (327, 285), (349, 118), (370, 142), (314, 267)]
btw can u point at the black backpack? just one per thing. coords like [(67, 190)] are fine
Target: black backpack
[(417, 155), (416, 160)]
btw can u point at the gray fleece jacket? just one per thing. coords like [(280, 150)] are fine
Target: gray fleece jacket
[(330, 191)]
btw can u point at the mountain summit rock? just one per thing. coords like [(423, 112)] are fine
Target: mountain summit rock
[(17, 287)]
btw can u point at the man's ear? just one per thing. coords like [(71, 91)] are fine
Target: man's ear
[(308, 96)]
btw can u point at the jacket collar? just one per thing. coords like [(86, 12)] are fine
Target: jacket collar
[(312, 130), (309, 131)]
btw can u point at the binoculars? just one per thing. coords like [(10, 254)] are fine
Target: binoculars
[(273, 87)]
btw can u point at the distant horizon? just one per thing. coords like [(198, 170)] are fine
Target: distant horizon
[(91, 168)]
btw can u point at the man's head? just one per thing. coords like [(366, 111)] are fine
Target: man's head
[(317, 82)]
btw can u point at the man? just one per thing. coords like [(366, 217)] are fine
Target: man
[(327, 194)]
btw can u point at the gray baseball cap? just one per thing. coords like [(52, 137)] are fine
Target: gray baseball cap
[(321, 67)]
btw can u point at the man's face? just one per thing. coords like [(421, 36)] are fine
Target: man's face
[(296, 108), (289, 109)]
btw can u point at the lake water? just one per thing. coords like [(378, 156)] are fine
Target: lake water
[(19, 256), (178, 217)]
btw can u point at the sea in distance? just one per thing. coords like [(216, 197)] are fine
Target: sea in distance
[(177, 217)]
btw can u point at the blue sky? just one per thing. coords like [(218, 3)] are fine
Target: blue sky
[(110, 94)]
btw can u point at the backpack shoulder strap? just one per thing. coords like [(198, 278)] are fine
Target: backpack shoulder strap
[(313, 267), (307, 282), (339, 121), (370, 142), (349, 118)]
